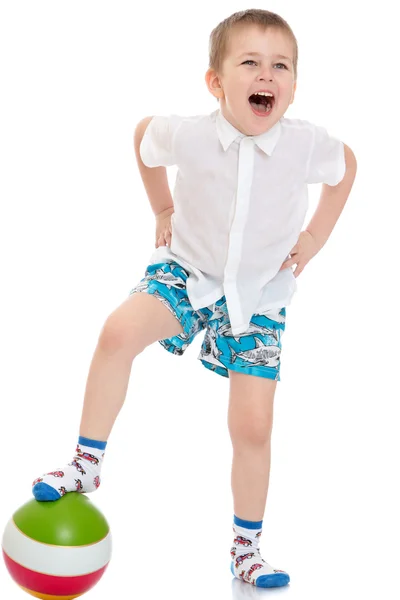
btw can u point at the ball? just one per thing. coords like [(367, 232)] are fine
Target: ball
[(57, 550)]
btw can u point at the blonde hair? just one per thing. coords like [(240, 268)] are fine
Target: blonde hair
[(220, 36)]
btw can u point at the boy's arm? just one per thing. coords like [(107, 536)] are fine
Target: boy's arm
[(332, 202), (154, 178)]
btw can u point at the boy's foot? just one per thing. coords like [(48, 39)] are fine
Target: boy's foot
[(82, 474), (247, 563)]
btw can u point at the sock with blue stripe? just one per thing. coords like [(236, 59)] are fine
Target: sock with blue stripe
[(247, 563), (82, 474)]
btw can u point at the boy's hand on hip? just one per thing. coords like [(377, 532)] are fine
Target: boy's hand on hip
[(164, 228), (301, 254)]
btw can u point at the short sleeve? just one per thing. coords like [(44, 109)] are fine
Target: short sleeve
[(326, 160), (157, 145)]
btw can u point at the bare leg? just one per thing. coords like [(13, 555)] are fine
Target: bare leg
[(137, 323), (250, 418)]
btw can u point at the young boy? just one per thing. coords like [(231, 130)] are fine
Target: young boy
[(225, 245)]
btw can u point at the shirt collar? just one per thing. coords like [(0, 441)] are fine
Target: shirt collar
[(227, 134)]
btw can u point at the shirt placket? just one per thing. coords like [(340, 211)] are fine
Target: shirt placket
[(245, 178)]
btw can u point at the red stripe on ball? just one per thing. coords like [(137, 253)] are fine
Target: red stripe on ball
[(51, 584)]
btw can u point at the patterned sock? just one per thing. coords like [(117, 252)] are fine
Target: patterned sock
[(80, 475), (247, 563)]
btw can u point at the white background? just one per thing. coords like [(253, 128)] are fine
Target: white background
[(76, 234)]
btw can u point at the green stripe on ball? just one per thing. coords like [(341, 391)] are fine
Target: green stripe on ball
[(71, 521)]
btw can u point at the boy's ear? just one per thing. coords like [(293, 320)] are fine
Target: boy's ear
[(214, 84)]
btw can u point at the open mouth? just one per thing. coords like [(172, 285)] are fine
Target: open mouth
[(261, 105)]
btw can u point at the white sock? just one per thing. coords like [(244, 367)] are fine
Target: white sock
[(82, 474), (248, 565)]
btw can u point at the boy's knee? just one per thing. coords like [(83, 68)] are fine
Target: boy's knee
[(118, 335), (251, 432)]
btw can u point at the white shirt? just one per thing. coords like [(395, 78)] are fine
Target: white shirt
[(240, 204)]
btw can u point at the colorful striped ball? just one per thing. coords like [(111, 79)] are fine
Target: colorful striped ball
[(57, 550)]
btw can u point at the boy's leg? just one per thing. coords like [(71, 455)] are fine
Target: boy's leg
[(139, 321), (250, 419)]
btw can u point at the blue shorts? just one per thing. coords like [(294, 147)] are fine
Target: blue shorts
[(256, 351)]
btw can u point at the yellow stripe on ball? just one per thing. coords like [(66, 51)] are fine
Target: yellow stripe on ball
[(46, 597)]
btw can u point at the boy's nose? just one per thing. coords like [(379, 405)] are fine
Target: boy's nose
[(265, 77), (266, 74)]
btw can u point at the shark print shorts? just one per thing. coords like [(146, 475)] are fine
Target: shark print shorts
[(256, 351)]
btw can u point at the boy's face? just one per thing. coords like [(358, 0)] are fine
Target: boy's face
[(243, 75)]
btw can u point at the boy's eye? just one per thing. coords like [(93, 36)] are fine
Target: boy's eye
[(252, 61)]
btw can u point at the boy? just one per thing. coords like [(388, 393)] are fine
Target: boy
[(225, 245)]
